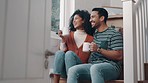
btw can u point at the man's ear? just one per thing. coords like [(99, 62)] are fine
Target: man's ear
[(102, 18)]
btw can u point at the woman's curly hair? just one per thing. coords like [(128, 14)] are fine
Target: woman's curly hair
[(85, 15)]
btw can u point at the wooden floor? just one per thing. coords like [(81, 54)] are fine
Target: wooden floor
[(88, 81), (145, 81), (113, 81)]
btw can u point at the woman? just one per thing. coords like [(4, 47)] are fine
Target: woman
[(70, 52)]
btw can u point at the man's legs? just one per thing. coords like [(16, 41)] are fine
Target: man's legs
[(103, 71)]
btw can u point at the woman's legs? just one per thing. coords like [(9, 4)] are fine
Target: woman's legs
[(71, 59), (103, 71), (77, 72), (63, 61), (59, 65)]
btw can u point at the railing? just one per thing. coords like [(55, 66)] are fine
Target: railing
[(142, 44), (135, 23)]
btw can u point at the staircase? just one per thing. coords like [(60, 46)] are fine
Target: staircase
[(111, 81)]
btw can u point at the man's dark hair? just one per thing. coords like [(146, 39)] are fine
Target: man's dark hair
[(85, 15), (102, 12)]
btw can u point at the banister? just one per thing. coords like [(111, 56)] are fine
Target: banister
[(137, 3)]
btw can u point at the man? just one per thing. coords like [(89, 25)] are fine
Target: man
[(105, 62)]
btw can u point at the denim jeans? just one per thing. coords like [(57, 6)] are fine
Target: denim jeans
[(97, 73), (63, 61)]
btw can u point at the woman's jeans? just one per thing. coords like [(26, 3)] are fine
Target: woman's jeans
[(63, 61), (97, 73)]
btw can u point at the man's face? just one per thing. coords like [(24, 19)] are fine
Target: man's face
[(94, 19)]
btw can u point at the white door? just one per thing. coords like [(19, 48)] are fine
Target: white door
[(24, 36)]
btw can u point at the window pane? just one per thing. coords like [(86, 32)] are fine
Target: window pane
[(55, 18)]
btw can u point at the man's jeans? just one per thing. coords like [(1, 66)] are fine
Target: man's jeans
[(97, 73), (63, 61)]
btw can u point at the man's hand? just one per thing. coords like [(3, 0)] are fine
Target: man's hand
[(93, 47)]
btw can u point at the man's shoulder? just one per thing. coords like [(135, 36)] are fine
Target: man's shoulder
[(110, 29), (113, 31)]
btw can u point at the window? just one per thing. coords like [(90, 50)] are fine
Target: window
[(55, 17), (61, 12)]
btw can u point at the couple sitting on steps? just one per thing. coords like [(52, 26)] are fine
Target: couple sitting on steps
[(102, 62)]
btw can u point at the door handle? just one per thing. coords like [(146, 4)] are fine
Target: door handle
[(47, 54)]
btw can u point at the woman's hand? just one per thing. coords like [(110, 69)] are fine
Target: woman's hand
[(60, 33)]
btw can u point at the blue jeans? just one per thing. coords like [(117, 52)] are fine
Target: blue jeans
[(97, 73), (63, 61)]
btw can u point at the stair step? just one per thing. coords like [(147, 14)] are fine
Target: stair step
[(112, 81), (62, 80), (115, 81), (145, 81), (88, 81), (146, 70)]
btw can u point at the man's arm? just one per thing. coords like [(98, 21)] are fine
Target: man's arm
[(116, 52), (112, 54)]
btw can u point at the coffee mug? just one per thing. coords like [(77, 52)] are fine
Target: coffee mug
[(86, 47)]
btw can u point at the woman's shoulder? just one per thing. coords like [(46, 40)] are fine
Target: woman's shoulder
[(70, 36)]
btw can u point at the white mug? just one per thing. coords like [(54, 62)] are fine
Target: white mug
[(86, 47)]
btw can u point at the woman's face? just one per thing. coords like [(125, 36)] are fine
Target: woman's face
[(78, 22)]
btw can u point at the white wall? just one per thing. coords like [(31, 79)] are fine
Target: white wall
[(116, 3), (72, 5), (90, 4)]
